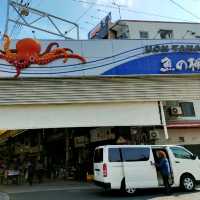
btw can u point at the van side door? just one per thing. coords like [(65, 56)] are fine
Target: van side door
[(138, 170), (115, 171)]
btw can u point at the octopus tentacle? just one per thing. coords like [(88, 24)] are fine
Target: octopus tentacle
[(18, 71), (77, 57), (58, 54), (49, 47), (12, 50), (67, 49)]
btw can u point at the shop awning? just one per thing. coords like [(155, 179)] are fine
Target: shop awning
[(98, 90), (2, 132)]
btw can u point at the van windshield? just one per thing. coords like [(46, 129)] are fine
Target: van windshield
[(98, 156)]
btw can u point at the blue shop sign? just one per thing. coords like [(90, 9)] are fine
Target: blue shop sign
[(161, 59)]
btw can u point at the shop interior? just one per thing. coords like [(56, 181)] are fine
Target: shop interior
[(64, 153)]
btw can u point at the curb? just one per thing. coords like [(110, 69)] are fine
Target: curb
[(4, 196)]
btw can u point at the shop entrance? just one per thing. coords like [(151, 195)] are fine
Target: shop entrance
[(64, 153)]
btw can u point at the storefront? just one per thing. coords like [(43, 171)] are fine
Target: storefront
[(104, 92)]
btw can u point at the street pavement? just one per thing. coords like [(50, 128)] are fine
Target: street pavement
[(4, 196), (85, 191)]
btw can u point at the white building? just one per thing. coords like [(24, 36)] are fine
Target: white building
[(134, 29)]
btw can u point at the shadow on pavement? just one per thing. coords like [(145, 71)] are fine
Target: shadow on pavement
[(144, 194)]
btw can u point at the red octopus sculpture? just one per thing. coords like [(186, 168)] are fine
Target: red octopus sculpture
[(28, 50)]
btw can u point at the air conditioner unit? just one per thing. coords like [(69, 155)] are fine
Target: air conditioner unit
[(154, 135), (176, 110)]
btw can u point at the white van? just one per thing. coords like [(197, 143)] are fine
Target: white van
[(128, 167)]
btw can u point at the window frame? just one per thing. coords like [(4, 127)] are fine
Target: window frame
[(183, 149), (142, 32), (169, 32), (120, 155), (94, 160), (191, 108), (136, 148)]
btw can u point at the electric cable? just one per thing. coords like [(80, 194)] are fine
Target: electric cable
[(81, 16), (184, 9), (132, 11)]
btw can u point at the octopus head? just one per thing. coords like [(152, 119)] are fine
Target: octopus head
[(28, 45), (27, 51)]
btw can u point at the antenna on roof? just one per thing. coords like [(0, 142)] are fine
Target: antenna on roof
[(119, 6)]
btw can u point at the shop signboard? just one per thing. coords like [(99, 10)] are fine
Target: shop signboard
[(101, 134), (100, 31), (80, 141), (98, 58)]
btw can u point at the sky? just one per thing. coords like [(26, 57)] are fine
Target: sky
[(88, 13)]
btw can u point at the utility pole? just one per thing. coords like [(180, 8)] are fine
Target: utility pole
[(119, 8)]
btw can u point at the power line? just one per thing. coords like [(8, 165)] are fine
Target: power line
[(16, 28), (81, 16), (84, 13), (184, 9), (133, 11)]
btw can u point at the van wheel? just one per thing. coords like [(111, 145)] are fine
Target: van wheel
[(125, 190), (130, 190), (187, 182)]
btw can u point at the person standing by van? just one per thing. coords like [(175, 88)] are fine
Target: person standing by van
[(164, 168), (30, 172)]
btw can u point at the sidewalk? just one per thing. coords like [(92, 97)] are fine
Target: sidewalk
[(47, 186), (4, 196)]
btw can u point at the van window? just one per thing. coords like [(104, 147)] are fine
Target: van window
[(135, 154), (181, 153), (114, 155), (98, 156)]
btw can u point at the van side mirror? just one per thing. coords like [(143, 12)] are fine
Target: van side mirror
[(194, 157)]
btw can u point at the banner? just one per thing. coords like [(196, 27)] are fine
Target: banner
[(31, 58)]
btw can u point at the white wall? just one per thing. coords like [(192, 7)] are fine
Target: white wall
[(79, 115), (179, 29), (191, 136), (197, 109)]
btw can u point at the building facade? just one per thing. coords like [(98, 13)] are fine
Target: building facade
[(182, 117), (142, 90), (135, 29)]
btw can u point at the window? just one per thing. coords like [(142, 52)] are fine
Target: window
[(123, 35), (187, 109), (165, 34), (135, 154), (144, 35), (98, 156), (114, 155), (181, 153)]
